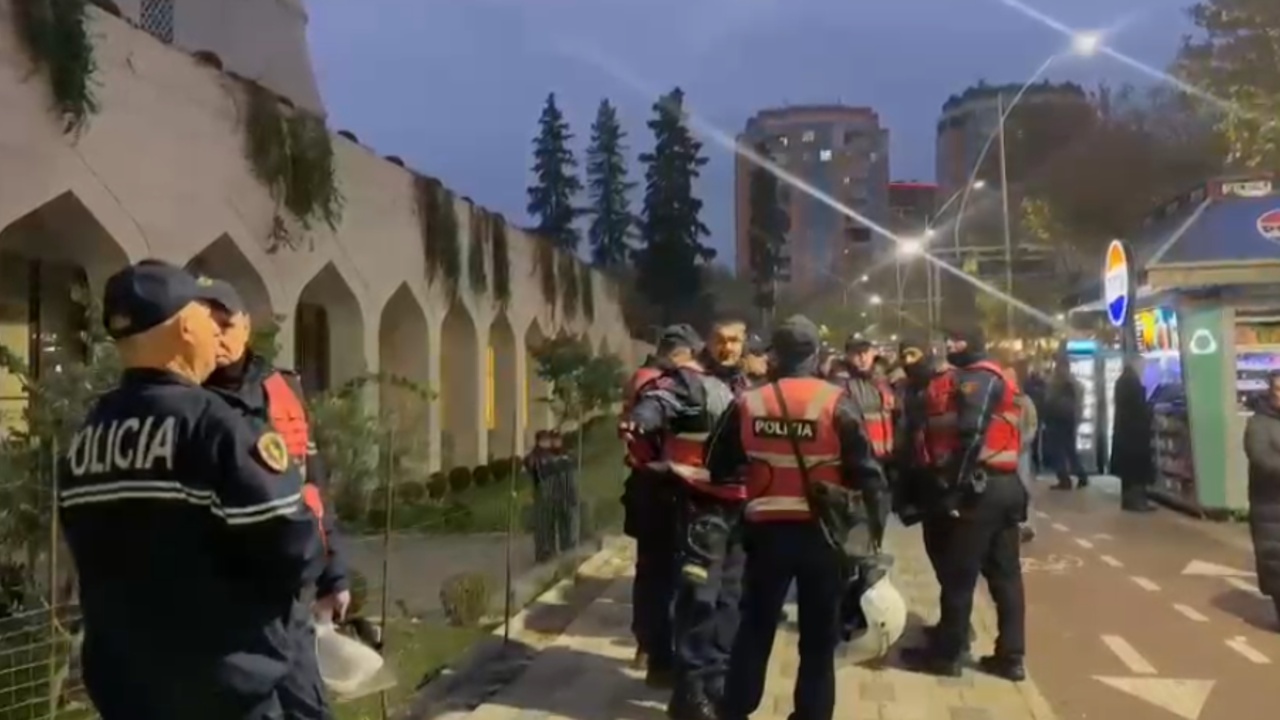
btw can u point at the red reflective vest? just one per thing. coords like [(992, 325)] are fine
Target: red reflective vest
[(775, 486), (1003, 439), (683, 455), (289, 419), (640, 451), (875, 401)]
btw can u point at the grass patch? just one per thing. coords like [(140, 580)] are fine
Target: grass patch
[(417, 650)]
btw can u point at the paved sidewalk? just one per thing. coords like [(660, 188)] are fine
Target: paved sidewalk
[(585, 675)]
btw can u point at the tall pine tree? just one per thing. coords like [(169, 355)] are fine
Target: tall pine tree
[(767, 235), (607, 184), (556, 183), (671, 231)]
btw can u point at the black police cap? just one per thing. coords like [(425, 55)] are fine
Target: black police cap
[(145, 295), (756, 345), (679, 336), (222, 294)]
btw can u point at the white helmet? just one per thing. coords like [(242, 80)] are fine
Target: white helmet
[(348, 667), (873, 615)]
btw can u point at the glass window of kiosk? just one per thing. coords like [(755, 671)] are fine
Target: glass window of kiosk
[(1156, 333), (1257, 338)]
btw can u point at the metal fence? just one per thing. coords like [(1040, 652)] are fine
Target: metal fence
[(438, 560)]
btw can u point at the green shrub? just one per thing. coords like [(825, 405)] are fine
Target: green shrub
[(465, 598), (456, 516), (411, 492), (437, 485), (502, 467), (481, 476), (459, 479)]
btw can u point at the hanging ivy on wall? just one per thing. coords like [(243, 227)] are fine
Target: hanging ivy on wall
[(476, 252), (438, 226), (567, 274), (586, 288), (501, 258), (292, 155), (57, 41), (544, 264)]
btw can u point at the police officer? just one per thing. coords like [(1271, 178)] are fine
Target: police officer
[(562, 496), (684, 404), (640, 451), (652, 506), (915, 480), (755, 360), (987, 504), (186, 523), (266, 394), (871, 395), (798, 437)]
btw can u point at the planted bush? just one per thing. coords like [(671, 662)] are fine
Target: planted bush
[(437, 485), (411, 492), (459, 479), (482, 476), (465, 599)]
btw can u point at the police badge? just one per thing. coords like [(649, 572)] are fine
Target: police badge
[(272, 452)]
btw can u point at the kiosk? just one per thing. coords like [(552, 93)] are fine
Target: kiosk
[(1206, 319)]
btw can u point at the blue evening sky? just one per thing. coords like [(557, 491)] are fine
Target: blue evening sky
[(455, 86)]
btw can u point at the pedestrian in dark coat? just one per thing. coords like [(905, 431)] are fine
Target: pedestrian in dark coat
[(1262, 447), (1131, 456)]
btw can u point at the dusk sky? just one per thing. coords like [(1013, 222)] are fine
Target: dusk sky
[(455, 86)]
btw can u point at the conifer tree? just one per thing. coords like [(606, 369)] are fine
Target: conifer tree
[(556, 184), (611, 220)]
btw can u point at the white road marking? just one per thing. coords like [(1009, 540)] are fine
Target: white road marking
[(1042, 515), (1084, 543), (1128, 655), (1145, 584), (1111, 561), (1103, 536), (1190, 613), (1060, 527), (1184, 698), (1239, 584), (1208, 569), (1241, 645)]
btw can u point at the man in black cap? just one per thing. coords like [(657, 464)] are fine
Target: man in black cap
[(682, 406), (755, 360), (871, 394), (187, 524), (798, 450), (986, 503), (266, 394)]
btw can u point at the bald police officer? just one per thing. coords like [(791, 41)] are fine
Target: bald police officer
[(186, 524)]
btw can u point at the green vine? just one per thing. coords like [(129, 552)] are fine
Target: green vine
[(567, 273), (501, 257), (56, 40), (438, 225), (587, 290), (544, 264), (475, 254), (292, 155)]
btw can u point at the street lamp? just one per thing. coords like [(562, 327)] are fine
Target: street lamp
[(863, 279), (1086, 44), (876, 299), (907, 248)]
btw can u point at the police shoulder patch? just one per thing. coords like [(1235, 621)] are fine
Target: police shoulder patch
[(272, 452), (118, 322), (968, 387), (770, 427)]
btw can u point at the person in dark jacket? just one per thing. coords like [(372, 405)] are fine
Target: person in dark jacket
[(186, 523), (1262, 448), (542, 464), (1064, 403), (755, 360), (1132, 459)]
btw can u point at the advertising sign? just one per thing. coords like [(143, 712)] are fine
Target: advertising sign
[(1269, 225), (1117, 284)]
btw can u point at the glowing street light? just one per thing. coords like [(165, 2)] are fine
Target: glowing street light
[(876, 299), (979, 184), (863, 279), (1086, 44), (910, 247)]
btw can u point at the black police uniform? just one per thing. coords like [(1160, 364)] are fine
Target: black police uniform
[(983, 541), (779, 554), (189, 536)]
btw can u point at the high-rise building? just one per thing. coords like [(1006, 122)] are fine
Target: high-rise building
[(911, 206), (841, 151)]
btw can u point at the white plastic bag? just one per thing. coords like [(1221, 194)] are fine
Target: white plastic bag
[(348, 667)]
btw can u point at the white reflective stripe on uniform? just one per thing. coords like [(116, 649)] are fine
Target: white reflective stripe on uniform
[(689, 472), (1003, 456), (126, 490), (813, 410), (788, 460), (754, 400), (771, 503), (693, 437)]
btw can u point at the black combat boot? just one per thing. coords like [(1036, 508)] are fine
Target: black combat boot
[(928, 661), (1009, 668), (689, 702)]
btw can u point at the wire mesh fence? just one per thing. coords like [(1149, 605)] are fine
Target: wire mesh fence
[(437, 559)]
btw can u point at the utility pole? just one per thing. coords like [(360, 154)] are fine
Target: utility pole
[(1008, 230)]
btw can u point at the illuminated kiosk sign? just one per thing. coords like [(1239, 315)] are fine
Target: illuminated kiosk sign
[(1117, 284)]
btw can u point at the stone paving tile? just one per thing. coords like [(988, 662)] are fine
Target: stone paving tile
[(585, 674)]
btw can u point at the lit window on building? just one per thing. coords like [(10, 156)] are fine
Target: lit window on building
[(846, 180), (156, 17), (808, 136), (824, 155), (783, 140)]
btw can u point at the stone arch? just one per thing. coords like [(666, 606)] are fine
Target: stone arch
[(537, 414), (503, 410), (328, 332), (460, 379), (224, 260), (404, 349), (53, 261)]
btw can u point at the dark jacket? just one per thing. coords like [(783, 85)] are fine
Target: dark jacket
[(1131, 455), (1262, 447), (242, 386)]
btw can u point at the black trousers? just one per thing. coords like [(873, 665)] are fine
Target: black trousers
[(984, 542), (778, 554), (654, 587), (707, 600)]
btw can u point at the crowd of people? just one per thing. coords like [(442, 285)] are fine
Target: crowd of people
[(762, 467)]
